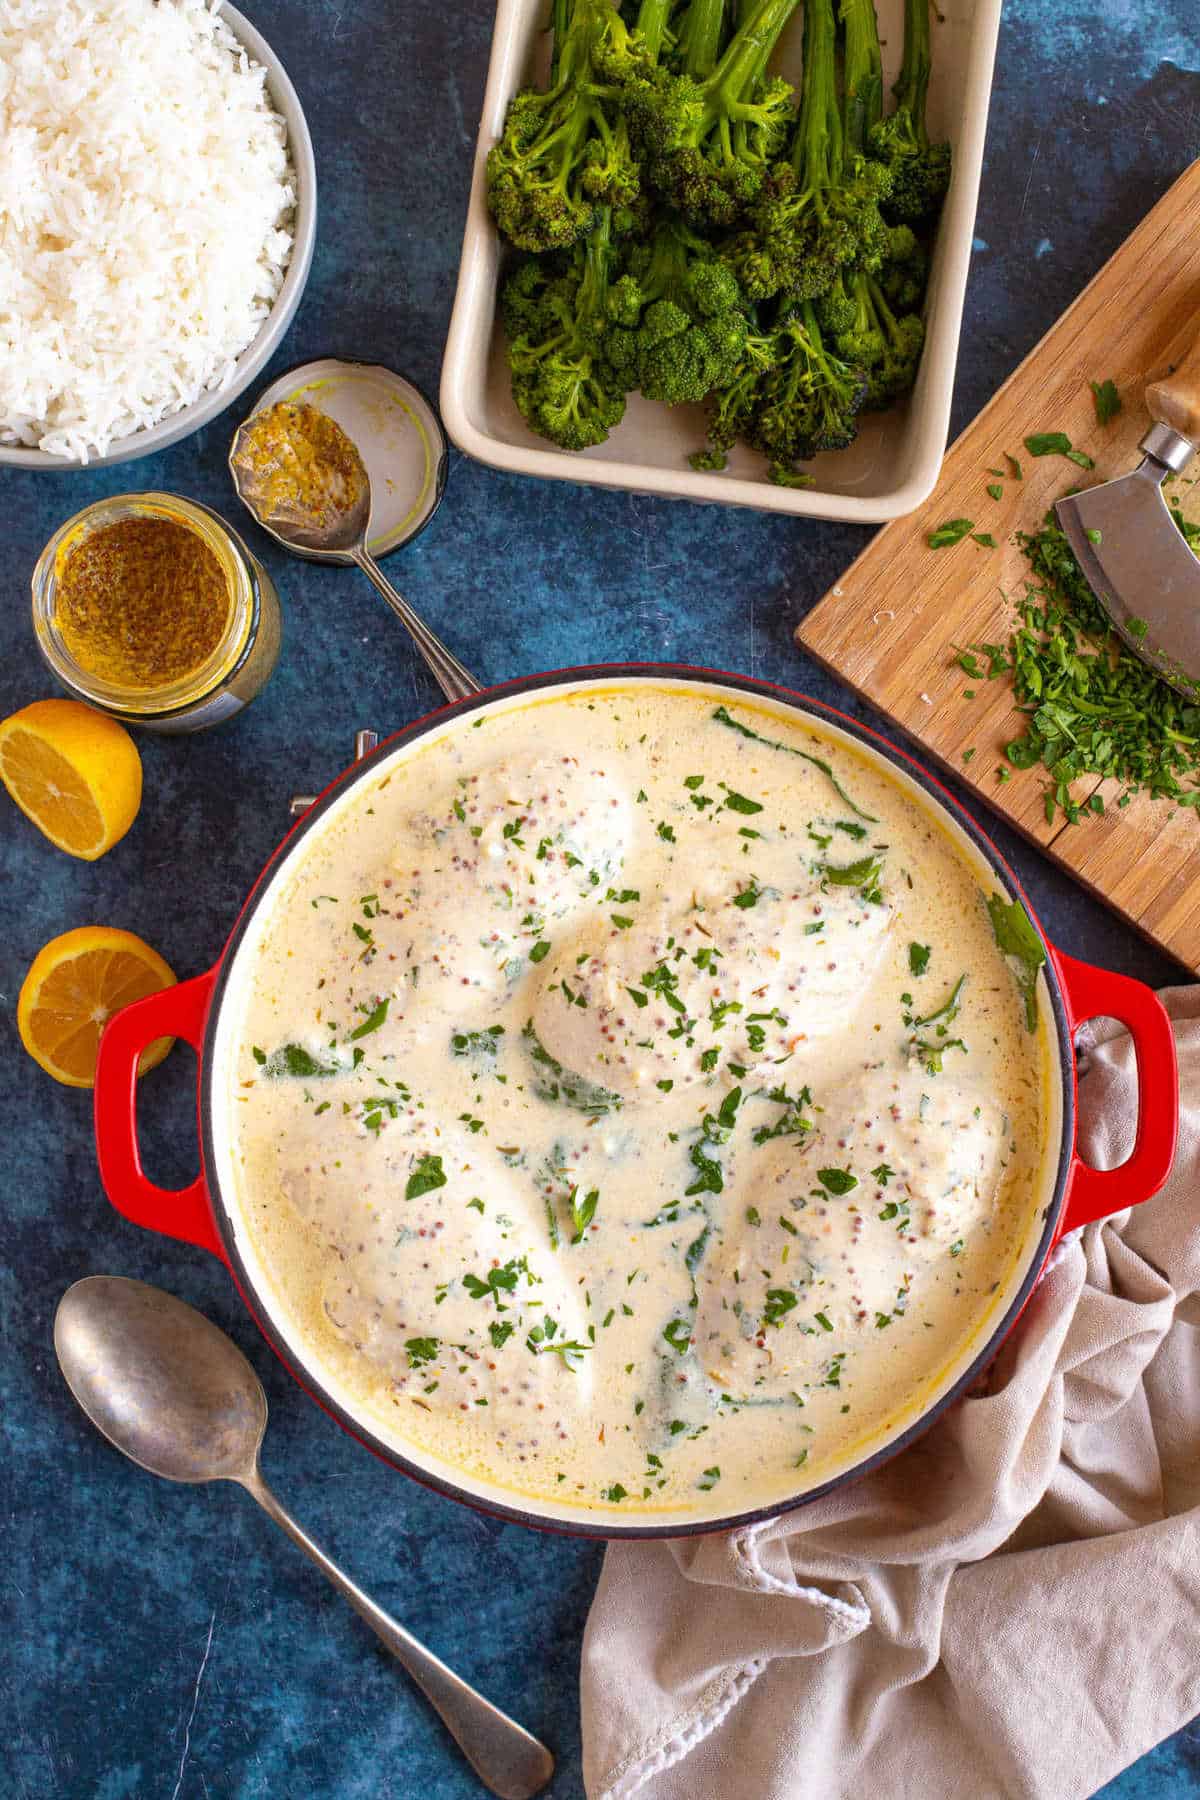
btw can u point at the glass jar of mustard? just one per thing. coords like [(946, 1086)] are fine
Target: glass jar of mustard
[(151, 608)]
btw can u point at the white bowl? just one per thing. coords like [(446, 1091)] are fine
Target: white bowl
[(893, 464), (257, 353)]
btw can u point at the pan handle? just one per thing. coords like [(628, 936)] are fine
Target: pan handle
[(184, 1213), (1097, 993)]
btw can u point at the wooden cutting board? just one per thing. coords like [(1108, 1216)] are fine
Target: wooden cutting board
[(890, 625)]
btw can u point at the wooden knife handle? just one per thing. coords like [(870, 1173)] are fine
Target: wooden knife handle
[(1175, 400)]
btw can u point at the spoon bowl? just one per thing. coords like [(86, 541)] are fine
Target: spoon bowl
[(159, 1380), (334, 534), (336, 529)]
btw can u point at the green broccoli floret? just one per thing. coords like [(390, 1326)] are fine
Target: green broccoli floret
[(820, 212), (709, 133), (905, 272), (920, 170), (731, 408), (807, 401), (566, 151), (562, 380), (903, 340), (691, 326), (523, 296)]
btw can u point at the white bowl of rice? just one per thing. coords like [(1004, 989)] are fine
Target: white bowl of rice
[(158, 201)]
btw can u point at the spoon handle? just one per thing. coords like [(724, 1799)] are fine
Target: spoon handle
[(506, 1758), (455, 681)]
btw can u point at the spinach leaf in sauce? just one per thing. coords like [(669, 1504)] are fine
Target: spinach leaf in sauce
[(1017, 939), (559, 1085), (294, 1059), (723, 716)]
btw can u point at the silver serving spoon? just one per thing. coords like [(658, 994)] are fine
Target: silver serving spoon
[(176, 1396), (336, 533)]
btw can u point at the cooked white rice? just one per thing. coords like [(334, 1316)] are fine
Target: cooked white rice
[(146, 200)]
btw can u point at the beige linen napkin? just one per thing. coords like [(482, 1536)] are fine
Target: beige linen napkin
[(1011, 1607)]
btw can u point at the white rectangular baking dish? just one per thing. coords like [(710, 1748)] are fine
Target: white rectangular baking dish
[(894, 463)]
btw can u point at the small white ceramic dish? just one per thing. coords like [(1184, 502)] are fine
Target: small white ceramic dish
[(394, 429), (257, 354), (894, 463)]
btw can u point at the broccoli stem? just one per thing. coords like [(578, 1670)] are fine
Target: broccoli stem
[(912, 84), (817, 147), (745, 57), (862, 71), (560, 19), (700, 39), (651, 24)]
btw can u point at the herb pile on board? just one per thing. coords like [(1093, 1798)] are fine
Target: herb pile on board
[(696, 231), (1092, 707)]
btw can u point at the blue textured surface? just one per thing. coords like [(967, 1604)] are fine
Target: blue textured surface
[(167, 1642)]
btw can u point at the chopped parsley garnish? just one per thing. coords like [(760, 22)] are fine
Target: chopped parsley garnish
[(583, 1211), (679, 1335), (428, 1175), (791, 1121), (709, 1479), (918, 958), (1106, 399), (372, 1022), (421, 1350), (948, 1010), (1057, 443), (837, 1181), (739, 803), (540, 950), (780, 1302), (882, 1174), (863, 875), (951, 531), (497, 1281)]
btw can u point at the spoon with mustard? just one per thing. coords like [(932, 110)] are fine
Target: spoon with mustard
[(305, 482), (169, 1390)]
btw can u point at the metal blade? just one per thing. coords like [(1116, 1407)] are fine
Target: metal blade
[(1141, 570)]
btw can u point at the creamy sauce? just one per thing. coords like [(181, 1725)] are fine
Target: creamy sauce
[(632, 1111)]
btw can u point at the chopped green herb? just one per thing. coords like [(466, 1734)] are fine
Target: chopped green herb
[(1106, 399), (995, 491), (1057, 443), (372, 1022), (583, 1211), (539, 951), (427, 1175), (918, 958), (738, 803), (952, 531), (837, 1181), (679, 1335)]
